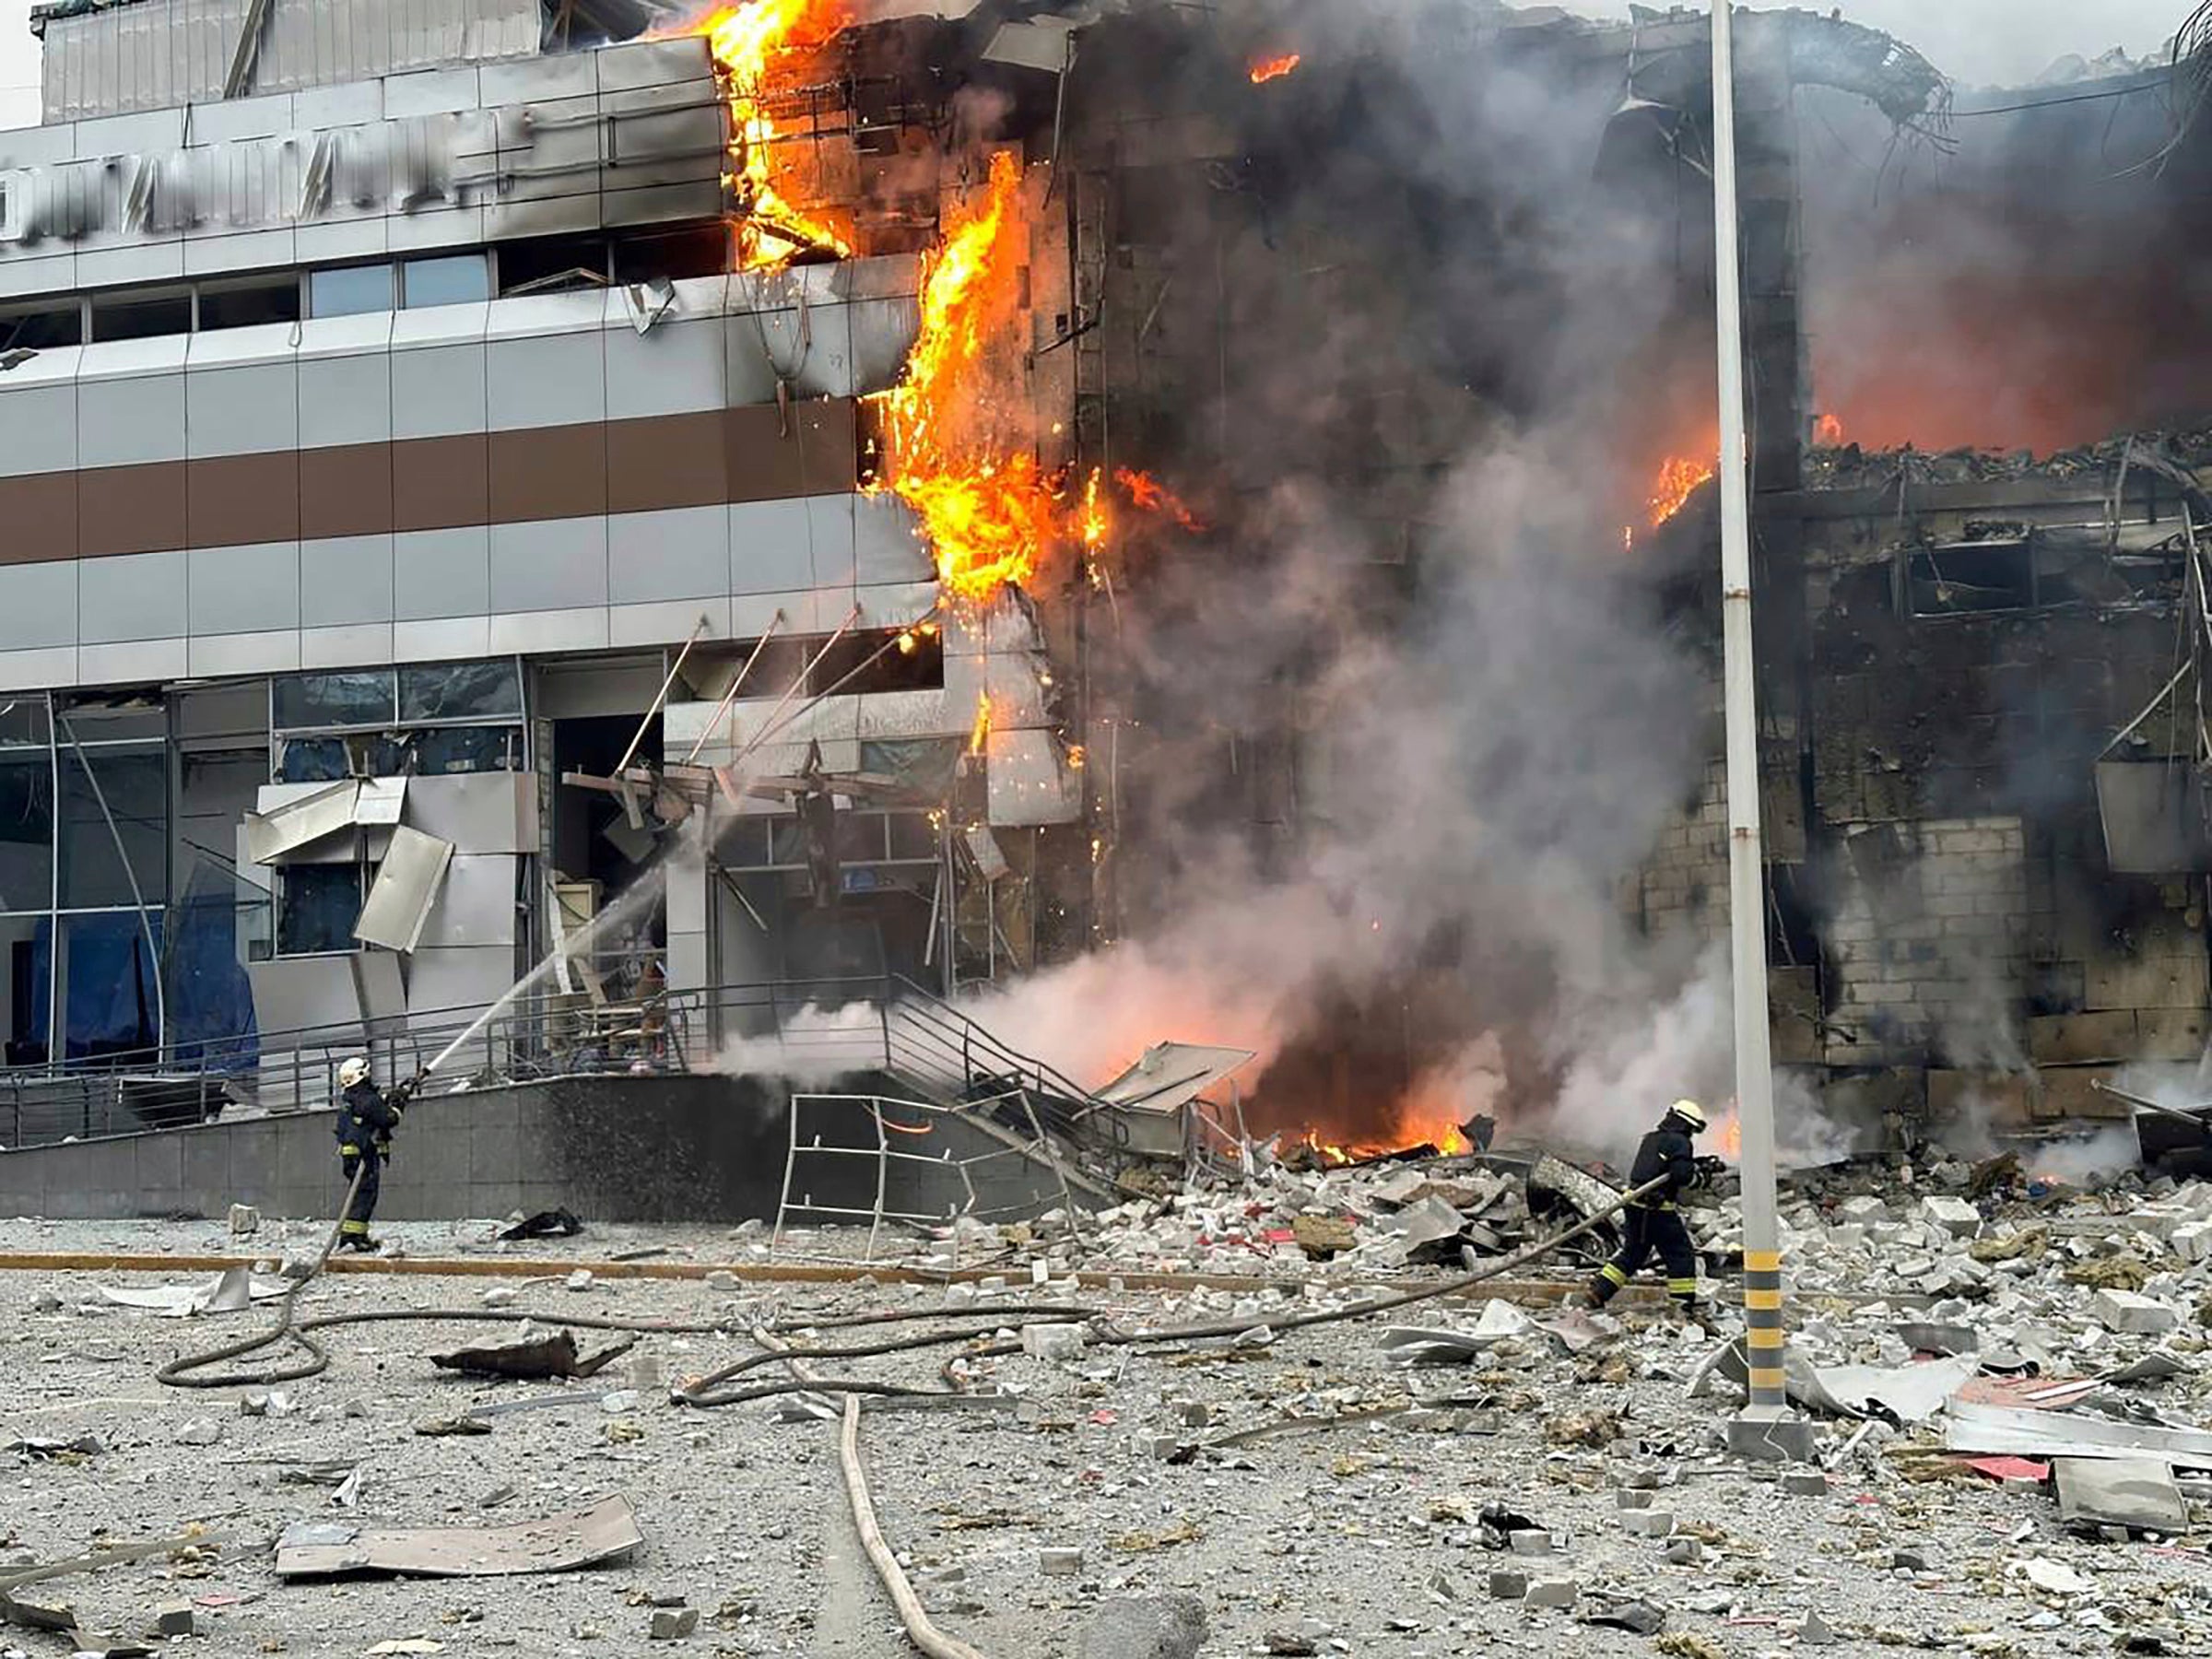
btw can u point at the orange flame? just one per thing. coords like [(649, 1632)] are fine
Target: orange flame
[(979, 739), (1728, 1138), (1679, 478), (1827, 431), (988, 511), (747, 40), (1275, 68), (1150, 494)]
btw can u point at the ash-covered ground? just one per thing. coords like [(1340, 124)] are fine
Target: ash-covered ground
[(1305, 1493)]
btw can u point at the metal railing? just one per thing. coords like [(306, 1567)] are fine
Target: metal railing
[(809, 1028)]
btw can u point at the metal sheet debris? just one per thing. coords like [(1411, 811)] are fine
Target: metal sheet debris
[(399, 903), (271, 835), (2137, 1493), (232, 1291), (1975, 1427), (1908, 1393), (606, 1531)]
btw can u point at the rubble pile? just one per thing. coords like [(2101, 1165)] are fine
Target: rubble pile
[(1850, 466)]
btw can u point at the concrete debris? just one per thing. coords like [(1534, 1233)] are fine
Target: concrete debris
[(199, 1431), (672, 1624), (1167, 1627), (543, 1357), (172, 1619), (1060, 1562), (2135, 1494), (245, 1220), (2125, 1312), (1555, 1593)]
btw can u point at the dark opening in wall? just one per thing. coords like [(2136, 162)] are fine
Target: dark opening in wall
[(1959, 577), (700, 251), (244, 304), (547, 265), (34, 328), (142, 317)]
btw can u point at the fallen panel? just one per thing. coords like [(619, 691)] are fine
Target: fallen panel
[(271, 835), (2137, 1493), (406, 886), (381, 803), (605, 1532), (1170, 1075), (1973, 1426), (232, 1291), (1907, 1394)]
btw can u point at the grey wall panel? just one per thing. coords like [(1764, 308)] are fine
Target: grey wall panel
[(772, 546), (666, 621), (882, 334), (530, 633), (486, 812), (345, 400), (441, 638), (682, 554), (217, 657), (137, 596), (38, 605), (440, 573), (678, 368), (887, 546), (38, 428), (477, 905), (123, 422), (37, 669), (360, 644), (438, 391), (241, 411), (830, 532), (345, 580), (558, 564), (814, 348), (134, 661), (546, 380), (244, 589)]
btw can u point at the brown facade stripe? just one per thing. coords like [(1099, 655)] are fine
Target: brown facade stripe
[(759, 453)]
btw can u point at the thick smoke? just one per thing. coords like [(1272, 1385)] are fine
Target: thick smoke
[(1436, 306)]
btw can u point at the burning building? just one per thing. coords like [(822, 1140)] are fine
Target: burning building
[(1153, 523)]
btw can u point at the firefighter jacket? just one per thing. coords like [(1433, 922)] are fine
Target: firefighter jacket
[(365, 1121), (1664, 1151)]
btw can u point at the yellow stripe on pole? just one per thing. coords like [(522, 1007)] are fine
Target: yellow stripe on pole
[(1765, 1301), (1762, 1261), (1760, 1336)]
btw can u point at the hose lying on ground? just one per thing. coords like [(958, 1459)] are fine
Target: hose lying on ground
[(192, 1370)]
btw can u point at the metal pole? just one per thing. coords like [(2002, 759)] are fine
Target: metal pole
[(1766, 1428)]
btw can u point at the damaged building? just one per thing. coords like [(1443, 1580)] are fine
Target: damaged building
[(926, 505)]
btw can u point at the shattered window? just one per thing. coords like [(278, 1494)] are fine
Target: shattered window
[(317, 907), (441, 752), (26, 831), (913, 837), (307, 701), (23, 722), (488, 690), (134, 782)]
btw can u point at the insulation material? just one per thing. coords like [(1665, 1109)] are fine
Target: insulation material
[(406, 886), (1029, 786)]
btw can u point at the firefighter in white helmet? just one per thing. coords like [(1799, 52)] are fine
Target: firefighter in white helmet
[(366, 1118), (1652, 1225)]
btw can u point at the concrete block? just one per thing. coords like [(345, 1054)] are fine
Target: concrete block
[(672, 1624), (1054, 1341), (245, 1220), (2174, 1034), (1060, 1563), (2192, 1241), (1530, 1541), (1559, 1593), (1165, 1627), (2176, 981), (1507, 1586), (1954, 1216), (1648, 1524), (2083, 1039), (1805, 1483), (2129, 1314), (172, 1618)]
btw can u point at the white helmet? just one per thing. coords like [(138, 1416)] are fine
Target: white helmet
[(354, 1070), (1690, 1112)]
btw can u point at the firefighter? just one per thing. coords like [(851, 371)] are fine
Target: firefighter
[(366, 1118), (1653, 1224)]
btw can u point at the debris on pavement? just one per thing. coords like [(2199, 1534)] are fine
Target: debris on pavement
[(542, 1357), (605, 1532)]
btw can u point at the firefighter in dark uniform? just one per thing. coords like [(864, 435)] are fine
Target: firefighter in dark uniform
[(366, 1118), (1653, 1224)]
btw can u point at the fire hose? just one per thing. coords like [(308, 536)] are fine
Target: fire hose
[(187, 1372)]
